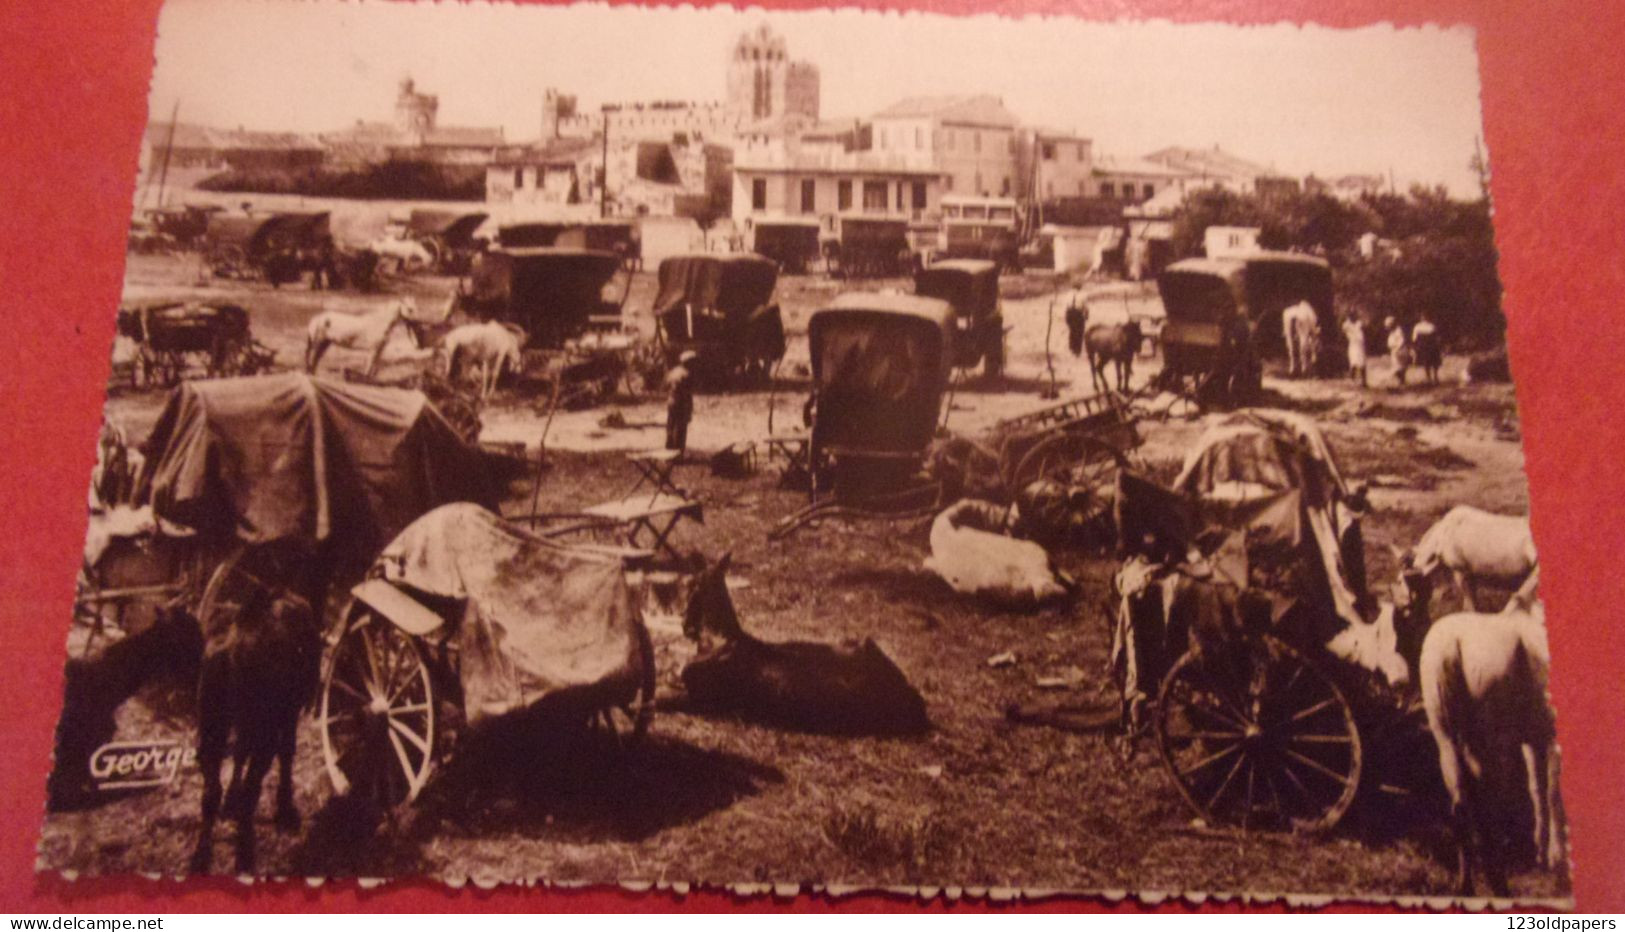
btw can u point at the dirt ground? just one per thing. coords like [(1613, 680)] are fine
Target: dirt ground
[(979, 801)]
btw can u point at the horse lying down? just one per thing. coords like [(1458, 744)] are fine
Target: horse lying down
[(971, 554), (847, 689)]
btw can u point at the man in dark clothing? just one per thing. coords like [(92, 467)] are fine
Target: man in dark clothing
[(680, 403)]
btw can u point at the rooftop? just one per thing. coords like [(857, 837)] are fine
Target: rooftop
[(978, 109)]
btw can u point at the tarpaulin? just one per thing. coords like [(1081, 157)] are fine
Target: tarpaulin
[(538, 618), (292, 457), (732, 285)]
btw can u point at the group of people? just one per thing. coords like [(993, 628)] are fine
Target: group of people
[(1417, 346)]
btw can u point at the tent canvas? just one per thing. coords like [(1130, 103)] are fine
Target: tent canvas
[(730, 284), (295, 457), (539, 621)]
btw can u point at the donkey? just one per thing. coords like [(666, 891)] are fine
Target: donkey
[(258, 672), (1112, 343), (849, 689)]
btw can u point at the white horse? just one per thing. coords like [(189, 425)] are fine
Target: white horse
[(488, 349), (1483, 680), (369, 331), (1301, 328), (409, 254), (1475, 546)]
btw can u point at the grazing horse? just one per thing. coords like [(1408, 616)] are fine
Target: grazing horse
[(1112, 343), (487, 349), (369, 331), (1483, 681), (850, 689), (1475, 546), (1301, 328), (258, 672)]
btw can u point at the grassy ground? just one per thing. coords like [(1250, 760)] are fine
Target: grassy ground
[(977, 802)]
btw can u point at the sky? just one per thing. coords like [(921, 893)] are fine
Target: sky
[(1299, 99)]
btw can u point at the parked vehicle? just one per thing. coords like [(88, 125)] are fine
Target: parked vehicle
[(278, 247), (980, 228), (792, 242), (616, 236), (721, 307), (485, 621), (1224, 317), (554, 294), (448, 235), (971, 288), (177, 339), (868, 247)]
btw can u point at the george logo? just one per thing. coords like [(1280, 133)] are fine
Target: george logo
[(130, 764)]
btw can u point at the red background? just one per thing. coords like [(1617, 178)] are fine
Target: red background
[(73, 96)]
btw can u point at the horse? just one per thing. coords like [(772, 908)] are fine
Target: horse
[(1116, 343), (846, 689), (489, 349), (257, 673), (1483, 680), (1301, 328), (369, 331), (1475, 546)]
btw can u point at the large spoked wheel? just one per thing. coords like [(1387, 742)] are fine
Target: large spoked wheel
[(1265, 741), (377, 713), (247, 576), (1075, 460), (625, 726)]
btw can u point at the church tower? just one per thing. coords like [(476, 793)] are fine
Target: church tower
[(415, 112), (763, 84)]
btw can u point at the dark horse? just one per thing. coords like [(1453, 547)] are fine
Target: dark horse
[(259, 669), (851, 689), (1116, 343)]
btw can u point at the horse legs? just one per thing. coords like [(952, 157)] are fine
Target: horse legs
[(246, 790), (1465, 586), (287, 814), (313, 354), (211, 754), (1552, 850)]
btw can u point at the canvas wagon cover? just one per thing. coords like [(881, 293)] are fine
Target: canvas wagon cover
[(731, 284), (1272, 471), (538, 620), (289, 456), (880, 364)]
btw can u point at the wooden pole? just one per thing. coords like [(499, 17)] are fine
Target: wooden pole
[(169, 146), (603, 188)]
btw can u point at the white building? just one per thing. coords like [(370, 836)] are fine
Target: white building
[(819, 182)]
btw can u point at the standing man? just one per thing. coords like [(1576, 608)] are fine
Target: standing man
[(1354, 330), (680, 401), (1399, 349), (1429, 353)]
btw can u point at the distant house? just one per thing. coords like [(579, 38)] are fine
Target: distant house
[(415, 136), (192, 146), (820, 182), (971, 141), (1054, 164), (1135, 181), (1215, 167), (1220, 242), (643, 176)]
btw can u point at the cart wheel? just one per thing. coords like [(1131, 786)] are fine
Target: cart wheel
[(1280, 750), (1074, 459), (377, 713), (625, 725)]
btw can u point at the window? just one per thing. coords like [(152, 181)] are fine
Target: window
[(518, 178), (919, 195), (758, 194), (919, 137), (1004, 186), (1048, 150), (809, 192), (1107, 189), (1150, 191), (843, 194), (874, 196)]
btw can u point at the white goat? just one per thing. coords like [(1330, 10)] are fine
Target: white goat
[(1483, 680), (1475, 546)]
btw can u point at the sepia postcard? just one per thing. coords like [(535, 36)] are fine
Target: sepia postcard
[(833, 449)]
